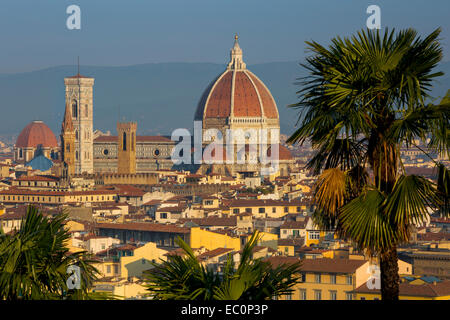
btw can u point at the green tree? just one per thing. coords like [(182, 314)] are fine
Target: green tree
[(364, 98), (34, 261), (185, 278)]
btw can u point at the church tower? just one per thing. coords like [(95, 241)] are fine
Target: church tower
[(79, 97), (126, 153), (68, 143)]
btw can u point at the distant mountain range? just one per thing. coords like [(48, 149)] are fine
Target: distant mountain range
[(160, 97)]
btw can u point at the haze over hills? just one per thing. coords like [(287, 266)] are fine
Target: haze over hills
[(160, 97)]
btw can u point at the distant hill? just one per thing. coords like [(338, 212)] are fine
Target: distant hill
[(160, 97)]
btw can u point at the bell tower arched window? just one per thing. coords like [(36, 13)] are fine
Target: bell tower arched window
[(124, 142), (74, 109)]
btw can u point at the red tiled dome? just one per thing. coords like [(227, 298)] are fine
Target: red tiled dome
[(251, 97), (36, 133)]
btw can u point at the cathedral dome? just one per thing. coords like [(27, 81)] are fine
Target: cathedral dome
[(34, 134), (237, 93)]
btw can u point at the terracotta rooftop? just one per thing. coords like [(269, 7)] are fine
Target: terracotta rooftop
[(38, 178), (294, 224), (291, 242), (262, 203), (323, 265), (430, 290), (212, 221), (144, 226), (429, 236), (214, 253)]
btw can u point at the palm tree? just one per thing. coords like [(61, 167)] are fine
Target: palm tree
[(185, 278), (365, 97), (34, 261)]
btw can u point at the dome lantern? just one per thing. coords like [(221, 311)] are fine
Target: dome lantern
[(236, 62)]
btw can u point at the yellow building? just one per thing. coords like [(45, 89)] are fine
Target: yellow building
[(22, 196), (267, 208), (126, 148), (212, 239), (326, 279), (287, 247), (133, 266), (314, 235), (121, 288)]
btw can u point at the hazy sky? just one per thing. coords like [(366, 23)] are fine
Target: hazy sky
[(33, 33)]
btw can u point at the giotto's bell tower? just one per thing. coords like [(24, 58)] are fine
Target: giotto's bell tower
[(79, 97)]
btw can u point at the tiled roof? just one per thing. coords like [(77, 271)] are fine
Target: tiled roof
[(430, 290), (294, 224), (15, 191), (214, 253), (144, 226), (323, 265), (212, 221), (429, 236), (263, 203), (38, 178), (291, 242), (36, 133)]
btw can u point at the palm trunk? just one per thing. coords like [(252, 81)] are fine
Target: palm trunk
[(384, 159), (390, 279)]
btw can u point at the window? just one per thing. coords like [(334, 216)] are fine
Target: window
[(313, 235), (235, 210), (349, 279), (143, 261), (303, 279), (332, 278), (363, 298), (317, 294), (262, 210), (299, 209), (289, 297), (132, 141), (274, 210), (74, 109), (302, 294), (286, 209), (318, 277), (163, 215), (116, 269), (124, 141), (248, 210), (108, 269), (333, 295), (349, 296)]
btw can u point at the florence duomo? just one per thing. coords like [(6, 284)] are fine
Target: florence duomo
[(236, 100)]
